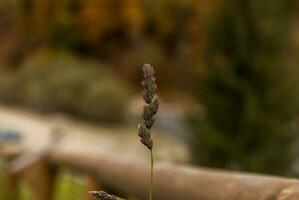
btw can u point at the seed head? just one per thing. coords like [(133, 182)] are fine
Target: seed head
[(102, 195), (151, 106), (145, 136), (154, 105), (149, 123), (147, 113), (148, 83)]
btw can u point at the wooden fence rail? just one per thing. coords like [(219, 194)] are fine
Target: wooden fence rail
[(38, 167), (175, 182), (181, 182), (129, 176)]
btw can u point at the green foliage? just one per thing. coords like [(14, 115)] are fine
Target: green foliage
[(23, 190), (24, 193), (249, 90), (69, 187), (60, 82)]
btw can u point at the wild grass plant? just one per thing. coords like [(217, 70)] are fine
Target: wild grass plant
[(150, 109)]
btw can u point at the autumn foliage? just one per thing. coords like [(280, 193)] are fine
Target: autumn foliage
[(123, 33)]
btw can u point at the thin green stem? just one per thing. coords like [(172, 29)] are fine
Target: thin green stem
[(152, 177)]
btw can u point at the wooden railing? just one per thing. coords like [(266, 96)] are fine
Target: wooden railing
[(175, 182)]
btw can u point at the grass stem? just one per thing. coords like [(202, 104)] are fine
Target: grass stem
[(152, 176)]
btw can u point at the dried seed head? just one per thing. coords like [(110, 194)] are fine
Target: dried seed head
[(147, 142), (145, 136), (149, 123), (142, 131), (151, 106), (148, 71), (147, 113), (154, 105), (149, 83), (102, 195)]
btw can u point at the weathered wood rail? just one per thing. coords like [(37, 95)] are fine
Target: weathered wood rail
[(175, 182), (39, 159)]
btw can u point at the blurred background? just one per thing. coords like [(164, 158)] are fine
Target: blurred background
[(227, 72)]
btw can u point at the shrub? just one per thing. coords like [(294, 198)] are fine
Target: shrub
[(61, 82)]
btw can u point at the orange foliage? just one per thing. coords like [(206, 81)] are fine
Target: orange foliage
[(124, 30)]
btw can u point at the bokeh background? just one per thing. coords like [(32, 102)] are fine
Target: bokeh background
[(227, 72)]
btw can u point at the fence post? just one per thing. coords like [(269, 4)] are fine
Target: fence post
[(10, 183), (40, 177), (92, 184)]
